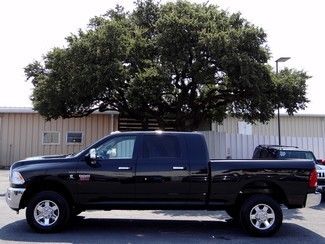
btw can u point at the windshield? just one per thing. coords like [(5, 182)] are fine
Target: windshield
[(295, 154)]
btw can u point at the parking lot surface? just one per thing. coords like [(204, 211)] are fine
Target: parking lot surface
[(300, 226)]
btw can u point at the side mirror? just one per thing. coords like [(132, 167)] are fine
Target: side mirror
[(321, 161), (93, 155)]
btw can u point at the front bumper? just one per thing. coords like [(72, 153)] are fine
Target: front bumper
[(313, 199), (13, 197)]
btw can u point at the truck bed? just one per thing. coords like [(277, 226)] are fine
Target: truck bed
[(286, 177)]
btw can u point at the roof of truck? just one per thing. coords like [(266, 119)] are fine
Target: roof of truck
[(156, 132), (283, 148)]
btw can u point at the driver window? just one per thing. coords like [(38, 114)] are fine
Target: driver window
[(117, 148), (309, 155)]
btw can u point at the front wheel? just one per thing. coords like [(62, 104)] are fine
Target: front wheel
[(47, 211), (261, 215)]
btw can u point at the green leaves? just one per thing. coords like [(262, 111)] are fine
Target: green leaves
[(180, 62), (291, 89)]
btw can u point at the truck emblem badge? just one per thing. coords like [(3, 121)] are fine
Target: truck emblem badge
[(84, 177), (71, 177)]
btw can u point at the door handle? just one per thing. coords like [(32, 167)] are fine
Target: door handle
[(124, 168), (178, 168)]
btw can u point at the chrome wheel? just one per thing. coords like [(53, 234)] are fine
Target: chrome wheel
[(262, 216), (46, 213)]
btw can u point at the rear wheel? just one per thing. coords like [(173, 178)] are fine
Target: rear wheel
[(47, 211), (260, 215)]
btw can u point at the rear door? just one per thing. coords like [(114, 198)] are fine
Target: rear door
[(162, 172)]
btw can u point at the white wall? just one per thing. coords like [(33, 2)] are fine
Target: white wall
[(21, 134), (235, 146), (294, 126)]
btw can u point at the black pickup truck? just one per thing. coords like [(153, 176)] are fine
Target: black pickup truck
[(159, 170), (291, 152)]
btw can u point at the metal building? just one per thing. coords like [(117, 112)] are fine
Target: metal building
[(237, 139), (24, 133), (301, 125)]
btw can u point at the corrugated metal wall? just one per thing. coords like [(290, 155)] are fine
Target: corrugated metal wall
[(21, 134), (300, 126), (235, 146)]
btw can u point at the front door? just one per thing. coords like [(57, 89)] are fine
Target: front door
[(111, 177), (162, 169)]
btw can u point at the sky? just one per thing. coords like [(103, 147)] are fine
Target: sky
[(29, 29)]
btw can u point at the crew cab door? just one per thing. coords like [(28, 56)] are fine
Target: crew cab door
[(162, 169), (111, 177)]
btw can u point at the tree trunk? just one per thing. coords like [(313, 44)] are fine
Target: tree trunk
[(145, 124)]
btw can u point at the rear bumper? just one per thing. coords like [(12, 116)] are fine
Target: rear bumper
[(13, 197), (313, 199)]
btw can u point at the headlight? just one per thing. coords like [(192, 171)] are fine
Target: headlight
[(16, 178)]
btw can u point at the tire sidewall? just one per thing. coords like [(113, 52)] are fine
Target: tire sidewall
[(245, 215), (59, 200)]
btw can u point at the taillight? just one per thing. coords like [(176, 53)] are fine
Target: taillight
[(313, 179)]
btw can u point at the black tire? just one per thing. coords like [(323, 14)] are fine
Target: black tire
[(52, 209), (260, 215)]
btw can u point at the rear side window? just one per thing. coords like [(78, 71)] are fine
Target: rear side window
[(256, 154), (264, 153), (268, 154), (161, 146)]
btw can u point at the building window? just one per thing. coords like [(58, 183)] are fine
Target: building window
[(51, 137), (74, 137)]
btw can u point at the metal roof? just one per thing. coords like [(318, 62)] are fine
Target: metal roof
[(27, 110)]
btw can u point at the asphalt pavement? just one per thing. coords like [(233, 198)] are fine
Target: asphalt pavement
[(300, 226)]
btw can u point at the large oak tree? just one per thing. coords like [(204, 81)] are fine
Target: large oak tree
[(179, 63)]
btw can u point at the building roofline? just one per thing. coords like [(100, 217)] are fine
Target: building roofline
[(29, 110), (303, 115)]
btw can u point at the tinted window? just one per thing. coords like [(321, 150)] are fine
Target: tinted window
[(256, 154), (267, 154), (160, 146), (295, 154), (264, 154), (310, 155)]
